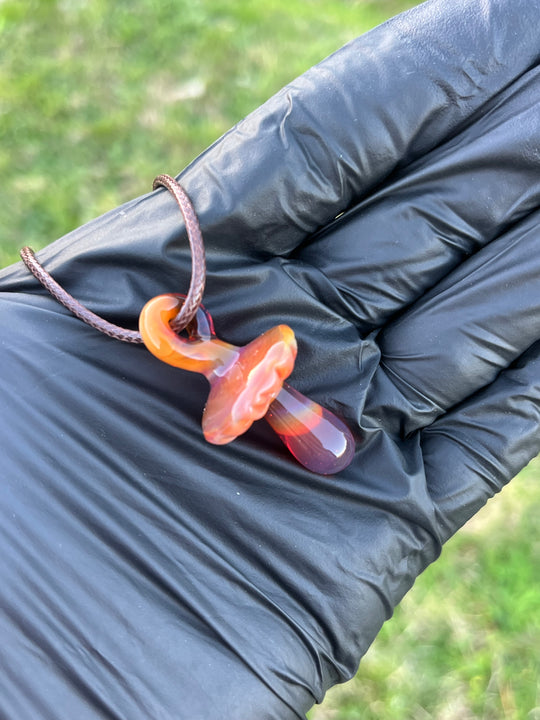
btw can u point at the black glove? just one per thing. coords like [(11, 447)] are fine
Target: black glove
[(385, 206)]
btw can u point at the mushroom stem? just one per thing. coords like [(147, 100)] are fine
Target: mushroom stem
[(318, 439)]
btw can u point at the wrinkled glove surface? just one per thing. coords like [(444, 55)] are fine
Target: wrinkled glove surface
[(386, 206)]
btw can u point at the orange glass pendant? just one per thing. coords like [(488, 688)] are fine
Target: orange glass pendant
[(246, 384)]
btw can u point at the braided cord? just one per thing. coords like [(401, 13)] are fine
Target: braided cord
[(196, 287)]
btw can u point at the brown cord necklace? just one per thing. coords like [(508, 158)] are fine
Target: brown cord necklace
[(196, 288), (246, 383)]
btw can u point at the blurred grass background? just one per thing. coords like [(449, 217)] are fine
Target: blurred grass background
[(99, 96)]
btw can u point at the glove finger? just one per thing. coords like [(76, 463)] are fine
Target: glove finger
[(457, 338), (399, 242), (335, 133), (471, 452)]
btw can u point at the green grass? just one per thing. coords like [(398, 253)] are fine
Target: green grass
[(99, 96)]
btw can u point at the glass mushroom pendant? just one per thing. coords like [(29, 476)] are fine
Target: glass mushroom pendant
[(248, 383)]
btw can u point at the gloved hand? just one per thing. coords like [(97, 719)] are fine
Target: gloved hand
[(385, 206)]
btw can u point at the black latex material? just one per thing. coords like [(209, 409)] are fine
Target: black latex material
[(147, 574)]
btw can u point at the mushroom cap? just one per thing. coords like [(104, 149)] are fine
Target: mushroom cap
[(245, 391)]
